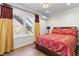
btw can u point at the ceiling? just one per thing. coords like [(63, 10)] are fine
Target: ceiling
[(53, 8)]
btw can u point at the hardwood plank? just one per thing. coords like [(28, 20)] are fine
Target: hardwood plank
[(28, 50)]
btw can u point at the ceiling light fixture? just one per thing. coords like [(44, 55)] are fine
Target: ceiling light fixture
[(45, 5)]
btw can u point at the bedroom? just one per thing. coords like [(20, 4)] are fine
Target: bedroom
[(35, 22)]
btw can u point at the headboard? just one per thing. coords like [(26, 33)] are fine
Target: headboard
[(68, 28)]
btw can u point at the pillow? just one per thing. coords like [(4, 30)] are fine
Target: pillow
[(65, 31), (56, 31)]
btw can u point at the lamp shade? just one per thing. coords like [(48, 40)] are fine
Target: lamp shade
[(48, 27)]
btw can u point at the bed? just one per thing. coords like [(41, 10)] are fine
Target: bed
[(62, 41)]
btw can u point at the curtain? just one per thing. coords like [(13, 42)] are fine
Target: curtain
[(6, 29), (37, 27)]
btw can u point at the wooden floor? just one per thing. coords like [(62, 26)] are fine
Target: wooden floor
[(28, 50)]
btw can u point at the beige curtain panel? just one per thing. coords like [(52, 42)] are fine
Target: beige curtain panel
[(6, 29), (37, 27)]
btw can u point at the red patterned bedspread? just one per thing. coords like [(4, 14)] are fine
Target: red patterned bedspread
[(62, 44)]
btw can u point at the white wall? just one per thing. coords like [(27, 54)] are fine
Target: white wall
[(42, 26), (65, 18), (21, 39), (17, 25)]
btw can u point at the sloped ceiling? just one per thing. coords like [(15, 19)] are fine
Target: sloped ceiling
[(52, 9)]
